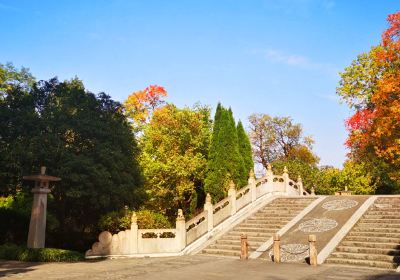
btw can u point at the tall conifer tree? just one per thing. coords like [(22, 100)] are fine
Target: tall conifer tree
[(245, 148), (225, 162)]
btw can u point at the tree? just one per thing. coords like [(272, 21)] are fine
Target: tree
[(278, 138), (354, 176), (245, 148), (374, 129), (359, 80), (174, 158), (140, 105), (224, 162), (82, 138), (11, 77)]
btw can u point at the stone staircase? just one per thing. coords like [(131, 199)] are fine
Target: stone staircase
[(259, 227), (375, 239)]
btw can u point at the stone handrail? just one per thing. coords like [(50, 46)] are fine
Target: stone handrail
[(136, 241)]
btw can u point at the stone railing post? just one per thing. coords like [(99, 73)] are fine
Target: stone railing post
[(232, 197), (285, 179), (312, 191), (277, 248), (252, 185), (133, 239), (210, 215), (270, 178), (300, 185), (244, 247), (180, 230), (312, 239)]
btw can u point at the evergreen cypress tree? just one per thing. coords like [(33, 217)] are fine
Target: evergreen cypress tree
[(245, 148), (224, 162)]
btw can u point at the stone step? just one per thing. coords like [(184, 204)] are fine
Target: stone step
[(381, 216), (265, 218), (359, 228), (255, 229), (230, 247), (370, 245), (256, 236), (223, 252), (374, 234), (381, 221), (380, 212), (264, 224), (379, 264), (238, 242), (373, 239), (369, 257), (363, 250), (377, 225), (273, 214)]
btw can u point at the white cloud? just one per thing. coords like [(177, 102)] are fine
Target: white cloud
[(299, 61), (289, 59)]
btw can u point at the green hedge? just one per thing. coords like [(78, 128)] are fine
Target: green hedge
[(121, 220), (14, 252)]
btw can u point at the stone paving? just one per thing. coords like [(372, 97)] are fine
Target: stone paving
[(186, 267)]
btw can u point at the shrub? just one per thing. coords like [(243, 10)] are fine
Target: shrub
[(116, 221), (19, 253)]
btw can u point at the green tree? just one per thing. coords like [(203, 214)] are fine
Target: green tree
[(245, 148), (174, 158), (359, 80), (82, 138), (353, 175), (225, 162)]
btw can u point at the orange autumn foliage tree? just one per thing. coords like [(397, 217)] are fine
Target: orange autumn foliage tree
[(140, 105), (374, 131)]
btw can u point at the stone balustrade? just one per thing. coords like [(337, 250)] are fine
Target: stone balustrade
[(155, 242)]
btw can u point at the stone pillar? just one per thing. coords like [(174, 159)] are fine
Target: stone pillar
[(134, 234), (37, 225), (312, 191), (180, 230), (210, 215), (300, 185), (312, 238), (285, 180), (232, 197), (277, 248), (270, 178), (252, 185)]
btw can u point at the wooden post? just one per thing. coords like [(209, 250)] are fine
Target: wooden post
[(277, 248), (244, 247), (312, 239)]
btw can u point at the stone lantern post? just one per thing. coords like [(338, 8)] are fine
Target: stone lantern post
[(37, 226)]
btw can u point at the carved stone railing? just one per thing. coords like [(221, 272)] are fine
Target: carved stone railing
[(136, 241)]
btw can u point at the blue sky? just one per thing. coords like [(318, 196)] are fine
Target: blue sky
[(278, 57)]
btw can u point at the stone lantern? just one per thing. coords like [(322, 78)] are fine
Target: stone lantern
[(37, 226)]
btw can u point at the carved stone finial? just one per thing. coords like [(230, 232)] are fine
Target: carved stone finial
[(134, 218), (251, 174), (180, 214), (269, 167), (312, 190), (208, 198), (299, 179), (231, 185), (42, 170), (285, 170)]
